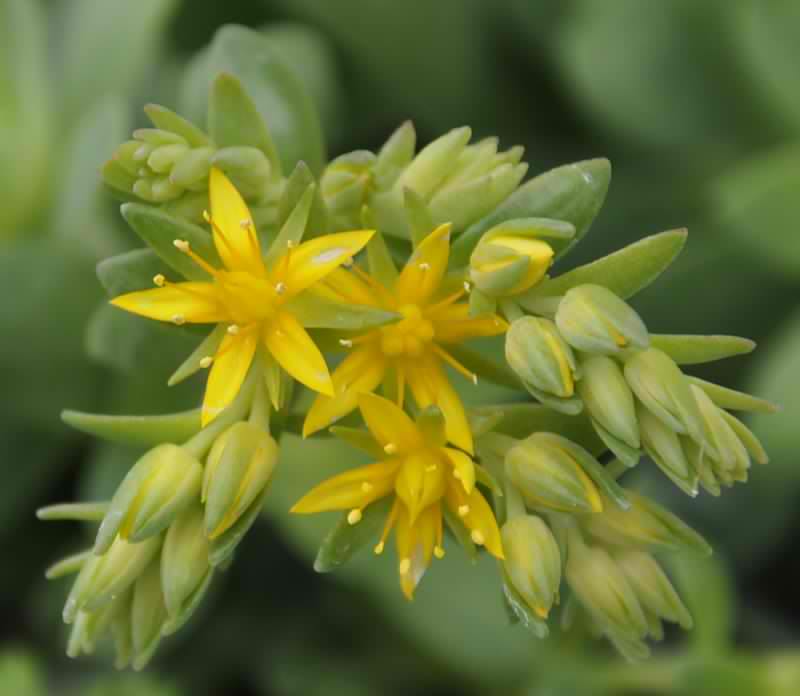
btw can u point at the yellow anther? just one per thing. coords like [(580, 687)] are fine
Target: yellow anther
[(366, 486), (280, 287), (181, 245), (291, 244), (233, 329), (178, 319), (477, 537), (346, 342), (438, 551), (206, 361), (475, 379), (390, 448), (354, 516), (467, 286), (159, 280), (463, 510), (405, 566), (378, 548)]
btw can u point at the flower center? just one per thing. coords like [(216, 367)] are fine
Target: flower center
[(409, 336), (248, 298)]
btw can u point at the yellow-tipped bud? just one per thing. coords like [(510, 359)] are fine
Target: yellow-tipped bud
[(667, 451)]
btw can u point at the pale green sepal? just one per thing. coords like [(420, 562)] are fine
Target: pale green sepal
[(481, 304), (396, 154), (83, 512), (381, 264), (501, 278), (524, 614), (233, 119), (734, 400), (360, 439), (609, 400), (128, 272), (206, 349), (121, 631), (420, 220), (749, 440), (167, 120), (390, 215), (625, 272), (484, 420), (144, 431), (666, 450), (430, 422), (294, 188), (159, 230), (68, 566), (224, 545), (694, 350), (119, 180), (314, 312), (184, 560), (573, 193), (174, 623), (292, 230), (488, 481), (148, 614), (570, 406), (345, 539), (629, 456), (433, 162)]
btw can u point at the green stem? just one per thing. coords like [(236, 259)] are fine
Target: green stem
[(511, 310)]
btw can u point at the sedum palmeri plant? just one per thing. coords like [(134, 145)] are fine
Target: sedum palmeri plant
[(420, 274)]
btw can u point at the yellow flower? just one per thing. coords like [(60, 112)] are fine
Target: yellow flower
[(249, 296), (411, 351), (424, 474)]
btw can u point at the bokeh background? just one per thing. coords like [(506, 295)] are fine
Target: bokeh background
[(696, 103)]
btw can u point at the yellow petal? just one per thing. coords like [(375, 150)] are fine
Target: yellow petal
[(420, 482), (179, 302), (423, 273), (345, 287), (463, 467), (359, 372), (429, 384), (312, 261), (479, 517), (389, 424), (233, 228), (347, 490), (460, 330), (415, 542), (233, 359), (290, 344)]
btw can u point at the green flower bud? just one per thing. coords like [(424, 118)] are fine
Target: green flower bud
[(666, 450), (593, 319), (542, 359), (731, 454), (161, 484), (653, 588), (645, 523), (532, 561), (395, 156), (609, 400), (104, 577), (185, 569), (604, 591), (346, 183), (237, 471), (661, 386), (90, 626), (549, 475), (148, 614), (248, 168), (433, 163)]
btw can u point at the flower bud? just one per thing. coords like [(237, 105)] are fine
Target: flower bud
[(666, 450), (248, 168), (104, 577), (731, 453), (593, 319), (395, 155), (433, 163), (161, 484), (609, 400), (346, 183), (532, 561), (541, 358), (653, 588), (238, 469), (148, 614), (661, 386), (548, 475), (185, 569), (604, 591)]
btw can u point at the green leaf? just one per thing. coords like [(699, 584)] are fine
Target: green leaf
[(159, 230), (346, 539), (360, 439), (693, 350), (87, 512), (293, 228), (167, 120), (573, 193), (110, 47), (129, 272), (277, 93), (233, 119), (381, 264), (143, 431), (22, 673), (484, 367), (732, 399), (625, 272)]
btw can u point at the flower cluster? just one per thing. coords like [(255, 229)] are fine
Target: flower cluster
[(455, 252)]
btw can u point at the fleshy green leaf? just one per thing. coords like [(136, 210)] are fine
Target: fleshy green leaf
[(732, 399), (625, 272), (145, 431), (128, 272), (169, 121), (484, 367), (159, 230), (573, 193), (86, 512), (208, 347), (693, 350), (293, 229), (345, 539)]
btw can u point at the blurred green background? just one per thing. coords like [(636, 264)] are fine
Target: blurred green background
[(696, 103)]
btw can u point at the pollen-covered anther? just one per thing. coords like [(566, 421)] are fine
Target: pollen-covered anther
[(345, 342), (366, 486), (206, 361), (280, 287), (378, 550), (178, 319), (181, 245), (438, 551), (467, 286), (354, 516), (390, 448), (425, 266), (159, 280), (477, 537), (463, 510), (233, 329), (475, 379), (405, 566)]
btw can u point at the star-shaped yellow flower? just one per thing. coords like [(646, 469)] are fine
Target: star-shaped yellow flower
[(249, 296), (412, 351), (424, 474)]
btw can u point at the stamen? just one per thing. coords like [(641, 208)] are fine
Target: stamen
[(438, 551), (159, 280), (463, 510), (280, 287), (206, 361), (405, 566), (233, 329), (379, 548), (390, 448), (346, 342), (178, 319), (184, 246), (387, 527), (366, 486), (354, 516), (424, 266), (431, 468), (450, 360), (446, 302), (467, 286), (477, 537), (181, 245)]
